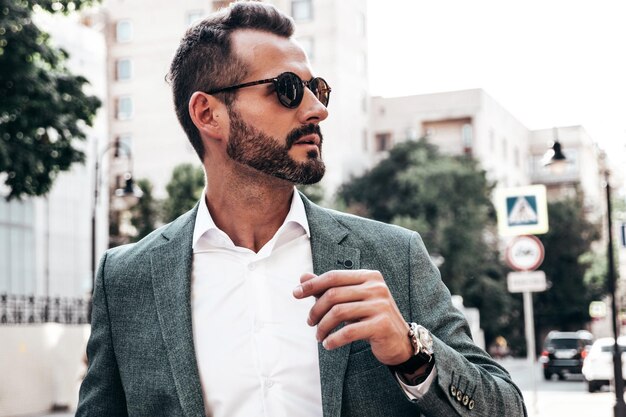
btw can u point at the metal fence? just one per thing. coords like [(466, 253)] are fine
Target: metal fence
[(24, 309)]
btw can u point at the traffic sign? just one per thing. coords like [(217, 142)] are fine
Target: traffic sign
[(522, 210), (524, 253), (527, 281)]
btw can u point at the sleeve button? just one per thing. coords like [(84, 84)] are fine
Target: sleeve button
[(471, 404)]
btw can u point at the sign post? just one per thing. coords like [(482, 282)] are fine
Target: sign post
[(525, 254)]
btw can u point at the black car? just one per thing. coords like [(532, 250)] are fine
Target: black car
[(564, 352)]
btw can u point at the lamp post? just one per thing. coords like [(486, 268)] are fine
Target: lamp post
[(620, 406), (129, 192), (553, 158)]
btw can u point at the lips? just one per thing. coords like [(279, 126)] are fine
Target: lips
[(308, 140)]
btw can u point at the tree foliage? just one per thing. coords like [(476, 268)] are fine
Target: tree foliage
[(43, 108), (184, 190), (314, 192), (447, 200), (565, 305), (444, 198), (145, 214)]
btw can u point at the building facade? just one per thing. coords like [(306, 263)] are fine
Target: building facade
[(467, 122)]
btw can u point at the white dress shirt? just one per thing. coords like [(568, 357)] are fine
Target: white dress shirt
[(256, 354)]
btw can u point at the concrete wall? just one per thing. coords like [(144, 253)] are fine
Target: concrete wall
[(40, 366)]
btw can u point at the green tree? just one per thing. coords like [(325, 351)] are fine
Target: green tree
[(145, 214), (43, 107), (184, 190), (565, 305), (447, 200), (314, 192)]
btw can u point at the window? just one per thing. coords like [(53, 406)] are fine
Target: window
[(308, 44), (383, 142), (467, 137), (17, 247), (302, 9), (193, 16), (466, 134), (125, 141), (123, 108), (123, 31), (361, 63), (123, 69), (361, 24)]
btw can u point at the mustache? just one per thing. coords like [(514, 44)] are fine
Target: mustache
[(296, 134)]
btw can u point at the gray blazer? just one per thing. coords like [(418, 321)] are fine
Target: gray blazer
[(141, 352)]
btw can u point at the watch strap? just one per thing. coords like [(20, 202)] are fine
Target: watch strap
[(413, 364)]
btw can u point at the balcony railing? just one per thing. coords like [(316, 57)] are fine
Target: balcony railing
[(23, 309)]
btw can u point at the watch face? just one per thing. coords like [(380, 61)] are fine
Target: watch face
[(425, 338)]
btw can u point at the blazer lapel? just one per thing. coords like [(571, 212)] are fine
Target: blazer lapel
[(171, 281), (328, 254)]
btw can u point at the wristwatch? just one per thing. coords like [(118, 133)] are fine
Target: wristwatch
[(422, 343)]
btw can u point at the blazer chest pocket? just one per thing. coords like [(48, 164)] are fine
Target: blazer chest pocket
[(361, 359)]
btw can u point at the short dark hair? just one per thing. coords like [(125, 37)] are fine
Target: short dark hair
[(205, 61)]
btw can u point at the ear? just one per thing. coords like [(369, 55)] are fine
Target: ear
[(209, 115)]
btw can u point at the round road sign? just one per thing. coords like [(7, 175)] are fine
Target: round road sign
[(524, 253)]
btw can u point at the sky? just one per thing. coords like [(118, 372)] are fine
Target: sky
[(548, 62)]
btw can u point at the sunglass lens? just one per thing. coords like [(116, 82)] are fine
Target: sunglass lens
[(290, 89), (321, 89)]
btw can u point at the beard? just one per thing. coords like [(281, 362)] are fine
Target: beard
[(251, 147)]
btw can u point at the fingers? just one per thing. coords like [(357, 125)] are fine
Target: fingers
[(337, 296), (307, 276), (350, 313), (347, 334), (317, 285), (362, 301)]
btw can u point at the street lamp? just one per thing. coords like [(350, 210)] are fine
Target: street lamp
[(554, 158), (130, 193)]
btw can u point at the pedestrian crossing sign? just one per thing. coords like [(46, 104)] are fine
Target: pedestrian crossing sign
[(522, 210)]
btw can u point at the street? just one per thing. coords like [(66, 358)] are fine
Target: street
[(559, 398)]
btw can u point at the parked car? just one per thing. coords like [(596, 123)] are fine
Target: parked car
[(598, 364), (563, 353)]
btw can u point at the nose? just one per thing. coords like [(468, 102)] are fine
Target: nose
[(311, 110)]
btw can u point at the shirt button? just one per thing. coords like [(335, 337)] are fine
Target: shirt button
[(251, 266), (258, 327), (269, 383)]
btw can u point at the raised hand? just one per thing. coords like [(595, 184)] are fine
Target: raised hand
[(361, 300)]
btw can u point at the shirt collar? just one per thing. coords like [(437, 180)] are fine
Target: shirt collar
[(204, 221)]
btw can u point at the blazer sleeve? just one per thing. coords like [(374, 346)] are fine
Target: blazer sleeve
[(101, 392), (468, 382)]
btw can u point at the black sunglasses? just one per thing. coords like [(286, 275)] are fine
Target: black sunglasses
[(289, 89)]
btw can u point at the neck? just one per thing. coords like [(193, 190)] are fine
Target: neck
[(248, 208)]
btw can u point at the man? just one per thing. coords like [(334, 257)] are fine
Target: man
[(258, 302)]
